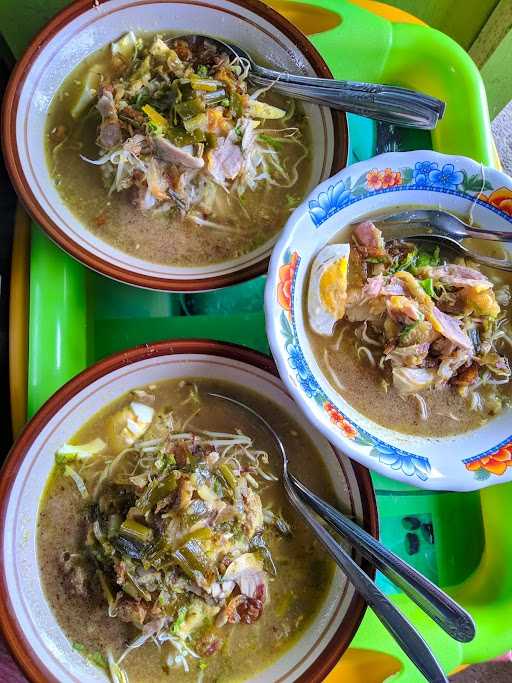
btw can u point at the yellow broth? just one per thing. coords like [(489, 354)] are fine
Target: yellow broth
[(166, 238), (361, 384), (304, 573)]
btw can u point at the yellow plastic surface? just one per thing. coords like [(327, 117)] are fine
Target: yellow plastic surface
[(363, 666), (322, 19), (394, 14)]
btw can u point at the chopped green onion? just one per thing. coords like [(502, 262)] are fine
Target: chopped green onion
[(137, 531), (179, 137), (202, 534), (202, 71), (198, 122), (428, 286), (157, 491), (426, 258), (190, 108), (235, 104), (130, 548), (130, 589), (155, 117), (408, 262), (191, 558), (228, 475), (274, 142), (114, 522), (94, 657), (406, 330), (180, 620), (64, 458)]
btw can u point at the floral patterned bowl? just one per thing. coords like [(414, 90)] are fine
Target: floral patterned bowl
[(388, 182)]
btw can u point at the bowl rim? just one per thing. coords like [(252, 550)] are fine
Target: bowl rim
[(19, 646), (60, 236), (325, 202)]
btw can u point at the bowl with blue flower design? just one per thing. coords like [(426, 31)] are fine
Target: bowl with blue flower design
[(387, 183)]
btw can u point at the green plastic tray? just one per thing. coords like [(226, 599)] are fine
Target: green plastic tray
[(77, 317)]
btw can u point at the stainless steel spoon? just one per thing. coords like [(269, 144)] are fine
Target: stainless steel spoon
[(443, 228), (431, 599), (447, 223), (383, 102)]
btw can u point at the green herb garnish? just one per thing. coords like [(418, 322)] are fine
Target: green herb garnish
[(95, 658), (428, 286), (273, 142)]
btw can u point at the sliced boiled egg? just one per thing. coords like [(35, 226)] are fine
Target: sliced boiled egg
[(327, 294), (137, 422), (129, 424)]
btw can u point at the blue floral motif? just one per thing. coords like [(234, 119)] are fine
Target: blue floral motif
[(425, 174), (411, 465), (328, 203), (446, 177), (297, 362), (421, 172)]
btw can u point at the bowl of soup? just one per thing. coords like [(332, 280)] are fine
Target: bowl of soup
[(145, 532), (399, 351), (150, 156)]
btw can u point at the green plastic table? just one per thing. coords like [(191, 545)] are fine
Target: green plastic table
[(76, 317)]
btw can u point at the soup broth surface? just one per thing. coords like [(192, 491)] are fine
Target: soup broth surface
[(236, 215), (368, 344), (296, 593)]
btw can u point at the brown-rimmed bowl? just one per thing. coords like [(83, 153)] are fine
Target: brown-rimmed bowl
[(84, 27), (30, 628)]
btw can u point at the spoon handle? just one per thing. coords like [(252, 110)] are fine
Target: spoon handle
[(264, 73), (385, 103), (432, 600), (402, 631), (447, 223)]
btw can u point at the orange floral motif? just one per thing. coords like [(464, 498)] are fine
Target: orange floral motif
[(501, 199), (374, 179), (390, 178), (338, 420), (284, 288), (495, 463)]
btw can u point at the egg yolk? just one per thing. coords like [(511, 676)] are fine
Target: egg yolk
[(332, 288)]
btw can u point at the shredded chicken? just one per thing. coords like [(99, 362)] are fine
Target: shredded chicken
[(179, 128), (425, 324)]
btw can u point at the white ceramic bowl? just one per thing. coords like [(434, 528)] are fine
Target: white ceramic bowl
[(82, 28), (391, 181), (28, 623)]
